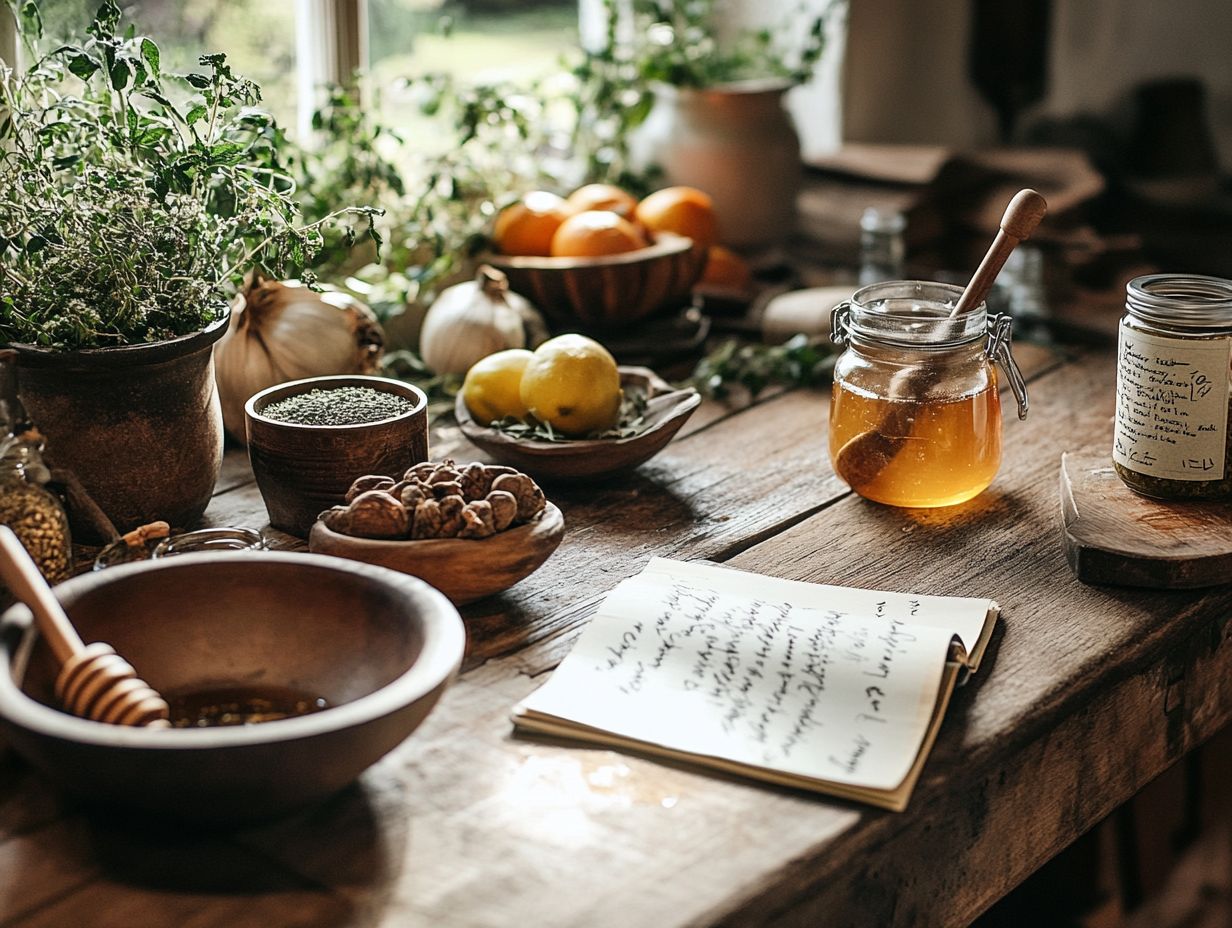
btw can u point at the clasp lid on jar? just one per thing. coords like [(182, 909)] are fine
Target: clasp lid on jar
[(918, 315)]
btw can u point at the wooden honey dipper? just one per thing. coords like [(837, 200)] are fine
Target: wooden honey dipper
[(862, 459), (94, 682)]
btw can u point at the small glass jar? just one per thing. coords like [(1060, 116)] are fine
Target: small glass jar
[(1174, 388), (915, 417), (33, 512), (156, 541)]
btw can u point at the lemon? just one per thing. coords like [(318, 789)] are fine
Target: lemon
[(492, 385), (572, 384)]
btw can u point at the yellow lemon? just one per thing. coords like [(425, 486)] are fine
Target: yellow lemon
[(492, 386), (573, 385)]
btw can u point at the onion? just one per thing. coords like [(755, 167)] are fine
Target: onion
[(282, 331), (474, 319)]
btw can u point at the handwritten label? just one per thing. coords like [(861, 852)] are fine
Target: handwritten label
[(748, 677), (1172, 406)]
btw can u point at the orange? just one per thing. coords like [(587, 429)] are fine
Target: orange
[(603, 196), (683, 210), (596, 232), (527, 226), (727, 270)]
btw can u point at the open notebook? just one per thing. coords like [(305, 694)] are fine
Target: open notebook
[(825, 688)]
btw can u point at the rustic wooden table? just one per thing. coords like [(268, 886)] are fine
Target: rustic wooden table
[(1086, 695)]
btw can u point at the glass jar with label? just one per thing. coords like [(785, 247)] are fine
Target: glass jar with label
[(915, 416), (1174, 388), (27, 506)]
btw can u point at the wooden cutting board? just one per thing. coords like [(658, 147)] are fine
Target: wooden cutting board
[(1114, 536)]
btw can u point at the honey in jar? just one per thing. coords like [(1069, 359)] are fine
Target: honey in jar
[(915, 416)]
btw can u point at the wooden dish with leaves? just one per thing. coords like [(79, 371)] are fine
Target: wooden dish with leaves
[(654, 412)]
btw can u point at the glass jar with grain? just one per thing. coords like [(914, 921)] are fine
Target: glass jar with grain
[(1172, 438), (915, 416)]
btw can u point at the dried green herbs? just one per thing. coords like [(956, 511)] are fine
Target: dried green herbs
[(338, 406), (1167, 488), (632, 422)]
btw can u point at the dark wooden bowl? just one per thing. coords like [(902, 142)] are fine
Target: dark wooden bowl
[(464, 569), (302, 470), (608, 292), (379, 646), (596, 458)]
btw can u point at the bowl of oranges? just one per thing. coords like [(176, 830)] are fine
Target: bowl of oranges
[(567, 412), (602, 258)]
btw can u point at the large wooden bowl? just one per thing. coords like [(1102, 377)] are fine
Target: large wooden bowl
[(596, 458), (464, 569), (380, 647), (609, 292)]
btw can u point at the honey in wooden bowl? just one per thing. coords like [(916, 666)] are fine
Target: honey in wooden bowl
[(240, 705)]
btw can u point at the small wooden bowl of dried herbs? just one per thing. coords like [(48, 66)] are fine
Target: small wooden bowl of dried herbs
[(307, 439), (652, 413)]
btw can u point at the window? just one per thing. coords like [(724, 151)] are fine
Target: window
[(486, 41), (258, 37)]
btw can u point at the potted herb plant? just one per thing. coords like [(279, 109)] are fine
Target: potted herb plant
[(130, 201), (717, 119)]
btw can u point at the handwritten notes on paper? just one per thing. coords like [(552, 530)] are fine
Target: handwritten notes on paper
[(1172, 406), (711, 662)]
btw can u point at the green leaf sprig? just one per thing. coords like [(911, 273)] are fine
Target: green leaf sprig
[(801, 361), (632, 422)]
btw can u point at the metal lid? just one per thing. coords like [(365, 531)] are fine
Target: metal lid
[(1192, 300)]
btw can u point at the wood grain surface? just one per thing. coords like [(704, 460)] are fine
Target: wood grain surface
[(1087, 693), (1116, 536)]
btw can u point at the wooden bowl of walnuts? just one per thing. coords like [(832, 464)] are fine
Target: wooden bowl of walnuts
[(470, 531)]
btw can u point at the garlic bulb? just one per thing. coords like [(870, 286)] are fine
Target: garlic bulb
[(474, 319), (282, 331)]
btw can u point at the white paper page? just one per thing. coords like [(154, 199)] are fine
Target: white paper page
[(956, 615), (734, 674)]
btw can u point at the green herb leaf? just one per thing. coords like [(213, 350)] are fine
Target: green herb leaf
[(149, 51), (30, 19), (83, 66)]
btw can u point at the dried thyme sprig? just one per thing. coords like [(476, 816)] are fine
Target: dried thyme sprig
[(632, 422), (799, 362)]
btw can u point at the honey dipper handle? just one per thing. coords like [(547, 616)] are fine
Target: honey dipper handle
[(22, 577), (1021, 217)]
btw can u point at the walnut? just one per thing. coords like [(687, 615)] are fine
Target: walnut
[(446, 488), (335, 519), (438, 518), (420, 472), (504, 509), (451, 516), (525, 491), (477, 479), (446, 473), (370, 482), (478, 521), (372, 514), (412, 494)]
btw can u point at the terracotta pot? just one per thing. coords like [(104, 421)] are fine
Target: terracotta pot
[(139, 425), (737, 143)]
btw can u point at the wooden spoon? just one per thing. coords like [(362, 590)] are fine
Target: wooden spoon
[(862, 459), (94, 682)]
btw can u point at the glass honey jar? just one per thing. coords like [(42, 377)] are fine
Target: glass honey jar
[(1173, 435), (915, 416)]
